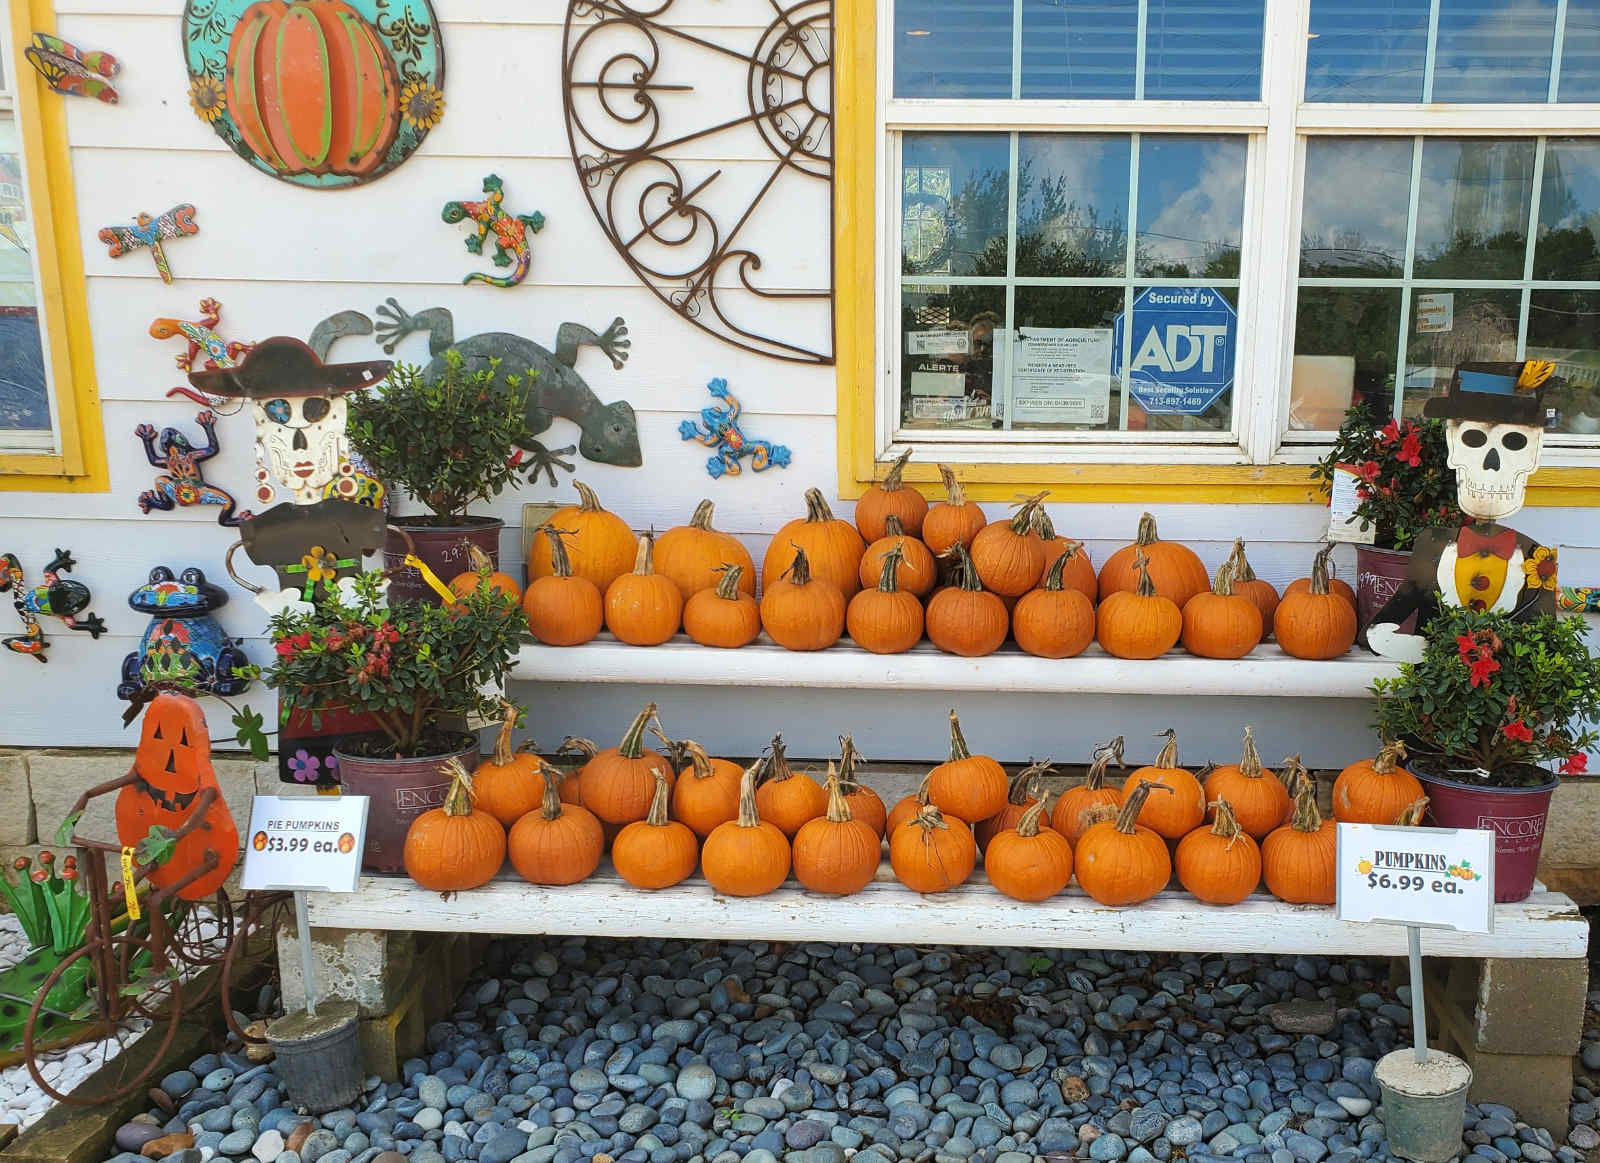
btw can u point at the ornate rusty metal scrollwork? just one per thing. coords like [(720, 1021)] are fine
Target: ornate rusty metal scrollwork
[(661, 163)]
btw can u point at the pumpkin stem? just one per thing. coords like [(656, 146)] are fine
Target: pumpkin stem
[(929, 817), (1226, 824), (1128, 816), (509, 713), (458, 800), (1388, 759), (1167, 760), (1029, 824), (1411, 815), (630, 747), (1222, 585), (1022, 521), (799, 571), (550, 805), (1146, 588), (922, 789), (958, 741), (778, 768), (893, 526), (702, 516), (748, 816), (966, 572), (477, 560), (677, 751), (1250, 761), (1052, 577), (1025, 783), (817, 509), (699, 761), (848, 758), (658, 802), (1241, 567), (560, 563), (588, 502), (889, 579), (1043, 528), (954, 493), (1293, 773), (892, 478), (838, 807), (1320, 571), (728, 587), (1147, 530), (1306, 817), (644, 560), (587, 748), (1104, 757)]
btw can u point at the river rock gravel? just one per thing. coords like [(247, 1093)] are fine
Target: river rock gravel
[(650, 1051)]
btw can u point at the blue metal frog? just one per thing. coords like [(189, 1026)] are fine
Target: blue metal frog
[(719, 430), (183, 648)]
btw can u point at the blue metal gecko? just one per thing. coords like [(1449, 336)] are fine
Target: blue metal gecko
[(719, 430)]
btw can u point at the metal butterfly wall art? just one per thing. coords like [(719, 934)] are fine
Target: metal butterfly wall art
[(68, 69)]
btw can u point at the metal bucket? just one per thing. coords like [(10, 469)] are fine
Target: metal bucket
[(319, 1057), (1424, 1103)]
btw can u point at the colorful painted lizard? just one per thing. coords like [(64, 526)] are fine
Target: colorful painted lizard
[(721, 433), (202, 340), (57, 598), (182, 483), (510, 233)]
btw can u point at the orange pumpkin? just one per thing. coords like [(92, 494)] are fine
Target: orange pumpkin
[(1054, 621), (1375, 791), (567, 772), (892, 498), (1300, 858), (510, 784), (1029, 862), (1315, 623), (1139, 623), (788, 798), (966, 786), (1068, 816), (833, 547), (885, 619), (1176, 570), (643, 608), (1220, 865), (954, 519), (171, 773), (919, 573), (966, 619), (655, 852), (1008, 557), (864, 803), (619, 783), (1220, 623), (457, 846), (726, 617), (931, 852), (312, 87), (707, 791), (1119, 861), (1259, 800), (746, 856), (1024, 794), (906, 807), (1178, 814), (1078, 572), (1247, 583), (1336, 585), (801, 611), (483, 572), (696, 556), (836, 853), (601, 548), (563, 609), (561, 843)]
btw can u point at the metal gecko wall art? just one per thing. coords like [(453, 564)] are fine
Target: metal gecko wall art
[(58, 597), (182, 483), (716, 243), (719, 431), (69, 70), (510, 232), (150, 231), (201, 340)]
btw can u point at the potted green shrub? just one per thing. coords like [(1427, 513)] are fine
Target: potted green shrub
[(1493, 706), (421, 671), (449, 442), (1406, 485)]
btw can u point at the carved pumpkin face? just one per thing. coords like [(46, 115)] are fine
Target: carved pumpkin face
[(172, 767)]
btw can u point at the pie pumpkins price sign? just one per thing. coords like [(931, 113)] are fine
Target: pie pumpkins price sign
[(321, 93)]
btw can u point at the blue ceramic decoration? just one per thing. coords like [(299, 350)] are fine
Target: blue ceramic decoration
[(58, 597), (719, 431), (183, 648), (182, 482)]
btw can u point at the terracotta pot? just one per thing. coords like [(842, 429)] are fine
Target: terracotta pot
[(1379, 573), (400, 790), (1516, 816), (443, 548)]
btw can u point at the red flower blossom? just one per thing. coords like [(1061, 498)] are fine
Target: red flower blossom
[(290, 646), (1465, 646), (1369, 471), (1482, 668), (1518, 731), (40, 876), (1577, 763), (1389, 433), (1411, 448)]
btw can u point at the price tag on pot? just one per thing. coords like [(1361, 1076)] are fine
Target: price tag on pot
[(1440, 878), (305, 842)]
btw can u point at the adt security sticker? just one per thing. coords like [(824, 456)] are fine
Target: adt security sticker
[(1182, 351)]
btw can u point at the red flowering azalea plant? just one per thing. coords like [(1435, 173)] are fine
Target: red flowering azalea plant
[(1406, 483), (420, 670), (1504, 699)]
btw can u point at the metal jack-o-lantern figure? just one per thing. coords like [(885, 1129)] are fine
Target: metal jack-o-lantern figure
[(1492, 416), (172, 785), (328, 517)]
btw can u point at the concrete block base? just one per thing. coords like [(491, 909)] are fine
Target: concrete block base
[(365, 966)]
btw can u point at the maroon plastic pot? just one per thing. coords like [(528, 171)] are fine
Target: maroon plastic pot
[(1516, 816), (1379, 573), (400, 790), (443, 548)]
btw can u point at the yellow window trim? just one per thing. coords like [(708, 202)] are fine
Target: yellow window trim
[(80, 466), (855, 272)]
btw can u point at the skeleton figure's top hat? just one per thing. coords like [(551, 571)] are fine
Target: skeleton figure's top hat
[(283, 367), (1494, 393)]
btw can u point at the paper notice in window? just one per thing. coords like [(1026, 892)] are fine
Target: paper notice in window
[(1435, 313), (1062, 375), (1343, 524), (938, 343)]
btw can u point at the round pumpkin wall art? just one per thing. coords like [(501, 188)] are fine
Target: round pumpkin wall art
[(322, 93)]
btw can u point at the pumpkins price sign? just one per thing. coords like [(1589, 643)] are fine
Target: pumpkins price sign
[(305, 843), (1432, 877)]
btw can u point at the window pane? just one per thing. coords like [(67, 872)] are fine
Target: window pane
[(1191, 206), (1492, 50), (1062, 359), (953, 194), (1082, 51), (1368, 50), (1564, 326), (1472, 212), (1203, 50), (1569, 203), (952, 48), (1453, 327), (1361, 237), (24, 397), (948, 347), (1181, 370), (1344, 350), (1580, 52), (1072, 205)]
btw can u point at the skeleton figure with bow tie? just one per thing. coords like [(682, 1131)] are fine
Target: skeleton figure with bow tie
[(1492, 423)]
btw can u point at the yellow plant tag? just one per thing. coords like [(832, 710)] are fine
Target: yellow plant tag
[(129, 893), (430, 577)]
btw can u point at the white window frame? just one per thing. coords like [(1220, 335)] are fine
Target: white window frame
[(1276, 129)]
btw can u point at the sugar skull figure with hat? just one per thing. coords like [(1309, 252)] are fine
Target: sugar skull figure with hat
[(330, 510), (1493, 417)]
